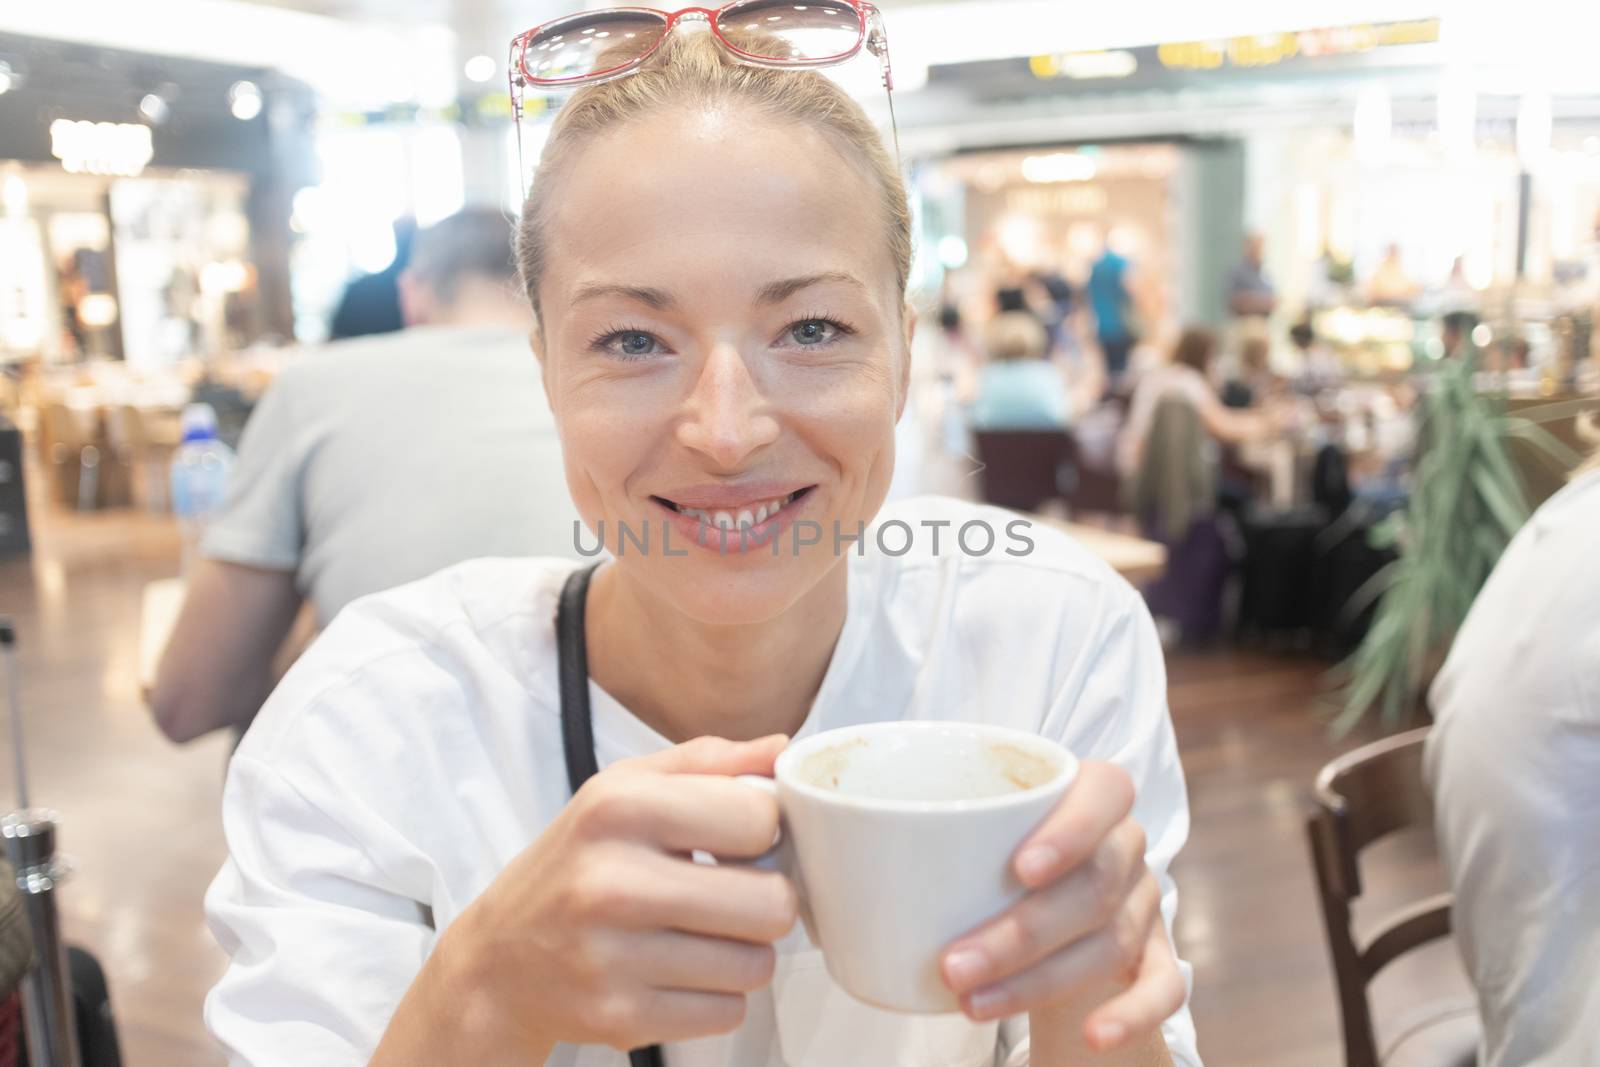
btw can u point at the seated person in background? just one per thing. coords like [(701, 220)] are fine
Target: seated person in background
[(1187, 377), (1514, 764), (370, 464), (1318, 366), (1255, 381), (1019, 388)]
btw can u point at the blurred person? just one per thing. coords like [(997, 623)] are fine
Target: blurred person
[(1019, 289), (1019, 387), (1111, 297), (1390, 285), (1056, 307), (422, 870), (1457, 291), (1514, 764), (1317, 365), (1251, 299), (1455, 333), (1187, 376), (1169, 457), (371, 303), (1250, 294), (1255, 380), (368, 464)]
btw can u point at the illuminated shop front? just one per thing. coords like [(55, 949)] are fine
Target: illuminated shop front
[(140, 197)]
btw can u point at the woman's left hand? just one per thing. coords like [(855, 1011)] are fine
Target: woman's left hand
[(1091, 920)]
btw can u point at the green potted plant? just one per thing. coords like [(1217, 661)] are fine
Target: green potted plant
[(1467, 502)]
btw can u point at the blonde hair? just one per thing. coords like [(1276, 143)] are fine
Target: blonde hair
[(1013, 335), (691, 70)]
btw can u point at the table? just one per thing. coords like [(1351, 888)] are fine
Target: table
[(1135, 558)]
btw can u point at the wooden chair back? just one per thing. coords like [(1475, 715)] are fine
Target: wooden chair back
[(1022, 468), (1362, 796)]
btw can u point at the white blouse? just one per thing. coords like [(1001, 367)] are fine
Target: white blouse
[(416, 749)]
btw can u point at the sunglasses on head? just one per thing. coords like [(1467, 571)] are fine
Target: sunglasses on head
[(600, 46)]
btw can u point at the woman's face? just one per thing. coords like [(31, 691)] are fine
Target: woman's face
[(722, 339)]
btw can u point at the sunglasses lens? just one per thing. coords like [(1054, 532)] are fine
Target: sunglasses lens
[(785, 30), (586, 45)]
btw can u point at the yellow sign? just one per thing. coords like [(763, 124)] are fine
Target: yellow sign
[(1264, 50)]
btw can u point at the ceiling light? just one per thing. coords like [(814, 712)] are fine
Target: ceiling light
[(1059, 167), (154, 108), (244, 100), (481, 68)]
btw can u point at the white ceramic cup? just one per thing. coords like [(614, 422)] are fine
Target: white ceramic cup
[(899, 837)]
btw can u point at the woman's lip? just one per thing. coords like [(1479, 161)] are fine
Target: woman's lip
[(738, 540), (732, 497)]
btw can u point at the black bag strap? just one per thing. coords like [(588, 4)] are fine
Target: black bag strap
[(577, 722)]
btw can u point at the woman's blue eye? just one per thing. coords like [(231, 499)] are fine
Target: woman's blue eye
[(628, 344), (813, 332)]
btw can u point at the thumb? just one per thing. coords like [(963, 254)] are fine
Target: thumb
[(717, 755)]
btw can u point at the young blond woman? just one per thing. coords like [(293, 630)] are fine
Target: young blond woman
[(717, 254)]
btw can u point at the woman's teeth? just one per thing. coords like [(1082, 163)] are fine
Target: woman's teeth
[(742, 519)]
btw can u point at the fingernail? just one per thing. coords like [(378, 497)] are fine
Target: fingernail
[(1037, 862), (1107, 1035), (964, 967), (988, 1004)]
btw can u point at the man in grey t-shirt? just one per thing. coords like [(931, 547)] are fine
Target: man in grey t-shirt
[(369, 464)]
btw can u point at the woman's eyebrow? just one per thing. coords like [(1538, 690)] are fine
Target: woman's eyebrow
[(659, 299), (778, 292)]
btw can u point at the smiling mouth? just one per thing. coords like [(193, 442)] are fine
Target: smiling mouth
[(743, 517)]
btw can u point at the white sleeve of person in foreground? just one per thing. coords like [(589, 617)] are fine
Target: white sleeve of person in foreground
[(322, 952), (1112, 706)]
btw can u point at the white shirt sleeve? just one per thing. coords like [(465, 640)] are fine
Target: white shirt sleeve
[(1113, 707), (322, 947)]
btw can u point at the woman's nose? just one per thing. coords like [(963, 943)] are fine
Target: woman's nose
[(729, 417)]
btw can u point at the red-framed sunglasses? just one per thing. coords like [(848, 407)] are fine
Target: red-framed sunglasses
[(601, 46)]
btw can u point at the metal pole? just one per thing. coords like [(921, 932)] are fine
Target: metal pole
[(8, 642), (48, 1024), (30, 845)]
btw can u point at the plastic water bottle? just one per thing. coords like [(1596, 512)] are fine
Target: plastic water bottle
[(200, 470)]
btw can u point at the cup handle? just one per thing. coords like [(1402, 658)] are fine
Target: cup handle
[(780, 857)]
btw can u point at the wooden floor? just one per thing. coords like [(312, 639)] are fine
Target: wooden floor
[(140, 816)]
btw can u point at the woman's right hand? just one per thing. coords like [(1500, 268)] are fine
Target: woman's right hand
[(604, 931)]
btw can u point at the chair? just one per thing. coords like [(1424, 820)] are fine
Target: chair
[(67, 446), (1092, 488), (1022, 468), (1025, 468), (1361, 797), (137, 439)]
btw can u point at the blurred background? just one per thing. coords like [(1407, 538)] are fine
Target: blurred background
[(1345, 197)]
